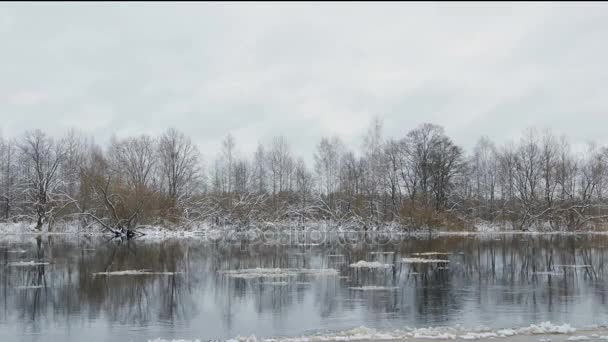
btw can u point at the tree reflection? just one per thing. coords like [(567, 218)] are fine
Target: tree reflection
[(531, 274)]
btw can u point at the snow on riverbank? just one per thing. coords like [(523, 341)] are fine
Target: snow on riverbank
[(431, 333), (266, 230)]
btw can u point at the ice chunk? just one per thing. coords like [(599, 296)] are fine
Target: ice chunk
[(370, 264)]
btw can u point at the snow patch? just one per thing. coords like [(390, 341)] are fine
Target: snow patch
[(423, 261), (374, 288), (437, 333), (277, 283), (369, 264), (548, 273), (252, 273), (133, 272), (430, 254), (578, 338), (26, 263)]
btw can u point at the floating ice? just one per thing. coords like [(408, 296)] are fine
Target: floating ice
[(578, 338), (430, 254), (477, 336), (26, 263), (546, 328), (251, 273), (437, 333), (277, 283), (374, 288), (369, 264), (134, 272), (423, 261), (548, 273)]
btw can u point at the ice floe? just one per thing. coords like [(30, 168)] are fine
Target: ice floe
[(374, 288), (432, 333), (251, 273), (423, 261), (133, 272), (369, 264), (548, 273), (26, 263), (430, 254), (277, 283)]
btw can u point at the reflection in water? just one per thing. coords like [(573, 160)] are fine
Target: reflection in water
[(185, 291)]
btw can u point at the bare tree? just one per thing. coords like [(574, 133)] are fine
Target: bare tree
[(8, 176), (179, 164), (135, 159), (327, 166), (42, 157)]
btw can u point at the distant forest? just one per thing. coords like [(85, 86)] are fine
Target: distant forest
[(418, 181)]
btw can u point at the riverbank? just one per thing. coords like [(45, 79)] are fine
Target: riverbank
[(211, 231), (542, 332)]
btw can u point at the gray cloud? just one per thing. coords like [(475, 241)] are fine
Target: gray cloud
[(304, 70)]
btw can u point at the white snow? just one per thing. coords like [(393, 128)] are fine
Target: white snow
[(430, 254), (431, 333), (26, 263), (477, 336), (133, 272), (277, 283), (546, 328), (423, 261), (370, 264), (251, 273), (548, 273), (374, 288), (578, 338)]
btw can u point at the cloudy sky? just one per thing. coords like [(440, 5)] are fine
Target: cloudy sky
[(304, 70)]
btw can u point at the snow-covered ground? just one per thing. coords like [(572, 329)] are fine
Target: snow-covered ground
[(204, 230), (542, 332)]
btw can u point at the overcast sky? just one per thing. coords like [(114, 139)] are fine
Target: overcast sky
[(304, 70)]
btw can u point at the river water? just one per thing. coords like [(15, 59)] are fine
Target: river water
[(92, 288)]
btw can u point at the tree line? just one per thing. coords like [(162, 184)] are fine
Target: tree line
[(421, 180)]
